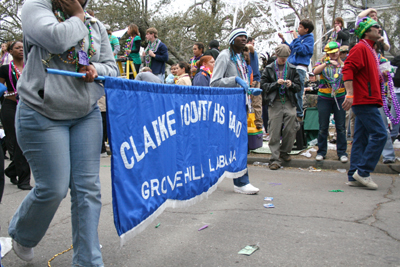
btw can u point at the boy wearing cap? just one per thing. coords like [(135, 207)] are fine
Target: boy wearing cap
[(362, 81), (231, 69), (280, 82)]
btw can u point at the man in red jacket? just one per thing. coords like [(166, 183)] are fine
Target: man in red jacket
[(362, 79)]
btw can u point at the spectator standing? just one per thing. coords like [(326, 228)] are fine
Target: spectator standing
[(340, 34), (280, 82), (155, 54), (198, 50), (256, 101), (206, 68), (114, 42), (302, 48), (331, 95), (362, 79), (213, 49), (133, 46), (103, 111), (230, 68), (10, 75)]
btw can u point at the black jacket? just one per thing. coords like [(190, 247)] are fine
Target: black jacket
[(270, 86)]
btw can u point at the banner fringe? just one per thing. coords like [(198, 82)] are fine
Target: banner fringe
[(176, 204)]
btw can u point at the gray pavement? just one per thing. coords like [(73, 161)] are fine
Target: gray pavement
[(308, 227)]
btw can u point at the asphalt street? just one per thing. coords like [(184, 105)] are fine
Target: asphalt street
[(309, 225)]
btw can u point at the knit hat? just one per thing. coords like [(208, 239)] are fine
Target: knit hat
[(282, 50), (363, 25), (331, 47), (235, 33), (107, 27)]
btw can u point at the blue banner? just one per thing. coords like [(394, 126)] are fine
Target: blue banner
[(171, 146)]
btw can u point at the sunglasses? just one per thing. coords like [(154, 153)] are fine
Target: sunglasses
[(376, 26)]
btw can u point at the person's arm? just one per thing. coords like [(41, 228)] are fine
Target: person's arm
[(268, 84), (386, 45), (296, 83), (137, 46), (117, 47), (105, 66), (41, 27), (319, 67), (348, 102)]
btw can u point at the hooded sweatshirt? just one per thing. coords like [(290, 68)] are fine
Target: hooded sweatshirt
[(302, 49), (54, 96)]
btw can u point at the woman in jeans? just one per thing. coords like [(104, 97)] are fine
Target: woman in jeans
[(58, 124), (331, 95)]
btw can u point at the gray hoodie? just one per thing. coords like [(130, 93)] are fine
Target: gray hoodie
[(54, 96), (225, 71)]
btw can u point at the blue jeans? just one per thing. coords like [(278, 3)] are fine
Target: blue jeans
[(299, 95), (369, 139), (62, 154), (242, 181), (325, 108), (388, 150)]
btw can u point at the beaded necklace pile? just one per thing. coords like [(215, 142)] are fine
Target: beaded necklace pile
[(282, 76), (153, 46), (128, 45), (390, 86), (78, 58)]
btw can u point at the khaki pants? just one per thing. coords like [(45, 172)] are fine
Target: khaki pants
[(281, 114), (256, 104)]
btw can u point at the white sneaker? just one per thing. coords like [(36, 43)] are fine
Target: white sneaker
[(24, 253), (367, 181), (355, 184), (343, 159), (104, 155), (247, 189), (319, 158)]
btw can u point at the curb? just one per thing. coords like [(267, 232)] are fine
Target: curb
[(327, 164)]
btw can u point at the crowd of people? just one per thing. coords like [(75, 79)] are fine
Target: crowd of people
[(48, 119)]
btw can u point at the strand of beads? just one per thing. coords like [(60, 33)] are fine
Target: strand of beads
[(127, 46)]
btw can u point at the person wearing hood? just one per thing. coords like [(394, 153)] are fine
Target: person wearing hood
[(302, 49), (58, 124)]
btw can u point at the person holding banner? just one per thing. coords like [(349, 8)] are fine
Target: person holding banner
[(230, 70), (58, 124)]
